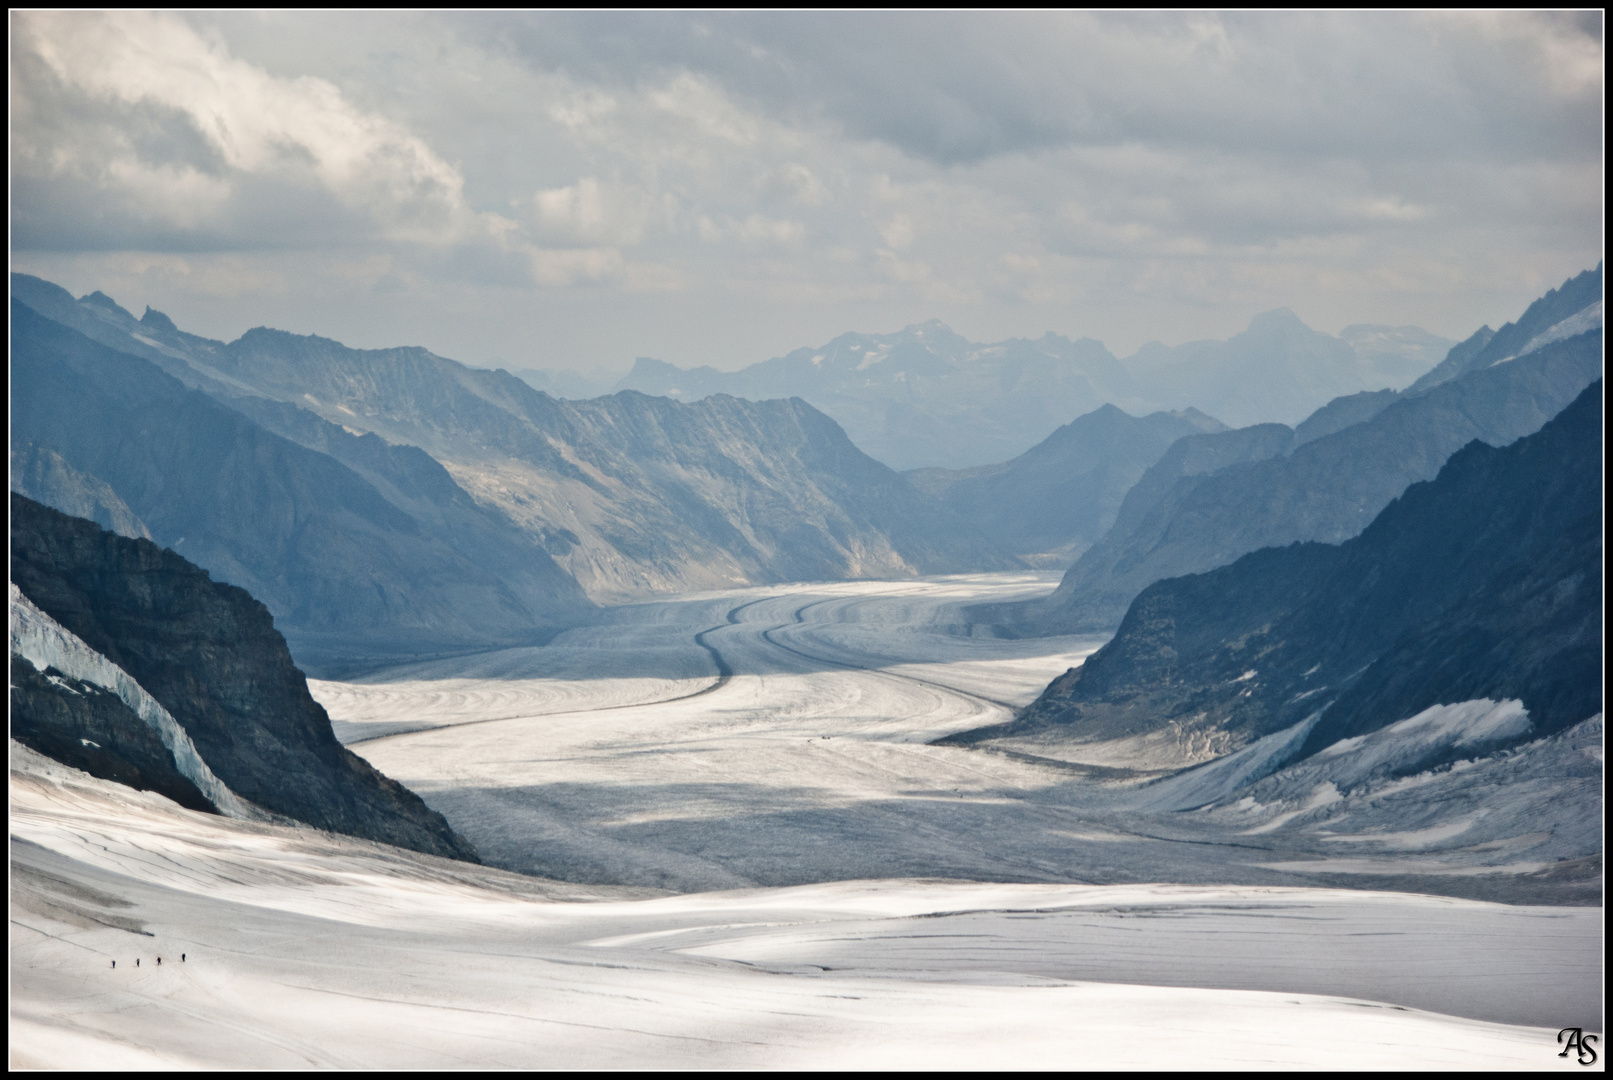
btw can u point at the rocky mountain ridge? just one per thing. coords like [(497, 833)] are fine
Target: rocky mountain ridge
[(349, 572), (1481, 586), (630, 494), (1215, 497)]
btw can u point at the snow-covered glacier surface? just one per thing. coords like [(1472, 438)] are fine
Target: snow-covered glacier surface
[(739, 849), (304, 949), (781, 736)]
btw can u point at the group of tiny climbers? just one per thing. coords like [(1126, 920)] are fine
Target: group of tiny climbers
[(159, 961)]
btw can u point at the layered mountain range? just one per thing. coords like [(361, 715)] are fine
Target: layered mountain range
[(927, 397), (388, 502), (133, 664), (368, 551), (1213, 497), (1466, 618)]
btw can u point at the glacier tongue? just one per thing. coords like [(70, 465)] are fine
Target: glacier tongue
[(44, 643)]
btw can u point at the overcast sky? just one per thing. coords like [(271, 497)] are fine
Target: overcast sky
[(575, 190)]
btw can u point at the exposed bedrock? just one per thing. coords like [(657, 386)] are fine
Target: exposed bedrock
[(209, 654)]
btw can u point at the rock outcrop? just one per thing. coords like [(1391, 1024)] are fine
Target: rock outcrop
[(209, 654)]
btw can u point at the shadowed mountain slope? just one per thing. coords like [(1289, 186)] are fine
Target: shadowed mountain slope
[(347, 572), (631, 494), (1057, 498), (43, 475), (1483, 584), (1260, 489), (209, 654)]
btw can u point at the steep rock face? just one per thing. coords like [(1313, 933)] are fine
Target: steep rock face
[(89, 727), (630, 494), (1327, 489), (209, 654), (1057, 498), (1481, 585), (344, 568)]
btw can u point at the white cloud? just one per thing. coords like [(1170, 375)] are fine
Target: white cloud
[(254, 122), (744, 183)]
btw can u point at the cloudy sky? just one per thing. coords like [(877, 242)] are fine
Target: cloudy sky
[(574, 190)]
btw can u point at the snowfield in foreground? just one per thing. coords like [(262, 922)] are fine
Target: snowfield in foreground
[(309, 950), (746, 853)]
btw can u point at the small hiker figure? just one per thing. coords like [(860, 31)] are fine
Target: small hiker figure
[(114, 963), (137, 961), (159, 961), (181, 958)]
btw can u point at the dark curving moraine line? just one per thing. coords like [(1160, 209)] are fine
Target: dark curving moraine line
[(725, 671), (725, 674), (767, 636)]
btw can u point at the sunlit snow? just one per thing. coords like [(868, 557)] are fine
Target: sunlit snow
[(744, 852)]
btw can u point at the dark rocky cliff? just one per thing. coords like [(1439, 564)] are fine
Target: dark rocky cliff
[(1482, 583), (90, 728), (209, 653)]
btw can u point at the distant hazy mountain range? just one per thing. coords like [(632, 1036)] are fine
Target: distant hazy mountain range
[(1392, 653), (129, 662), (394, 495), (390, 502), (1214, 497), (926, 397)]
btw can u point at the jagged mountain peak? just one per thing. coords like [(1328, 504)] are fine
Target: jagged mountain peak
[(1530, 331), (156, 320), (102, 300)]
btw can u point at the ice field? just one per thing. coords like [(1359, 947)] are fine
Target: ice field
[(740, 852), (309, 950), (778, 736)]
